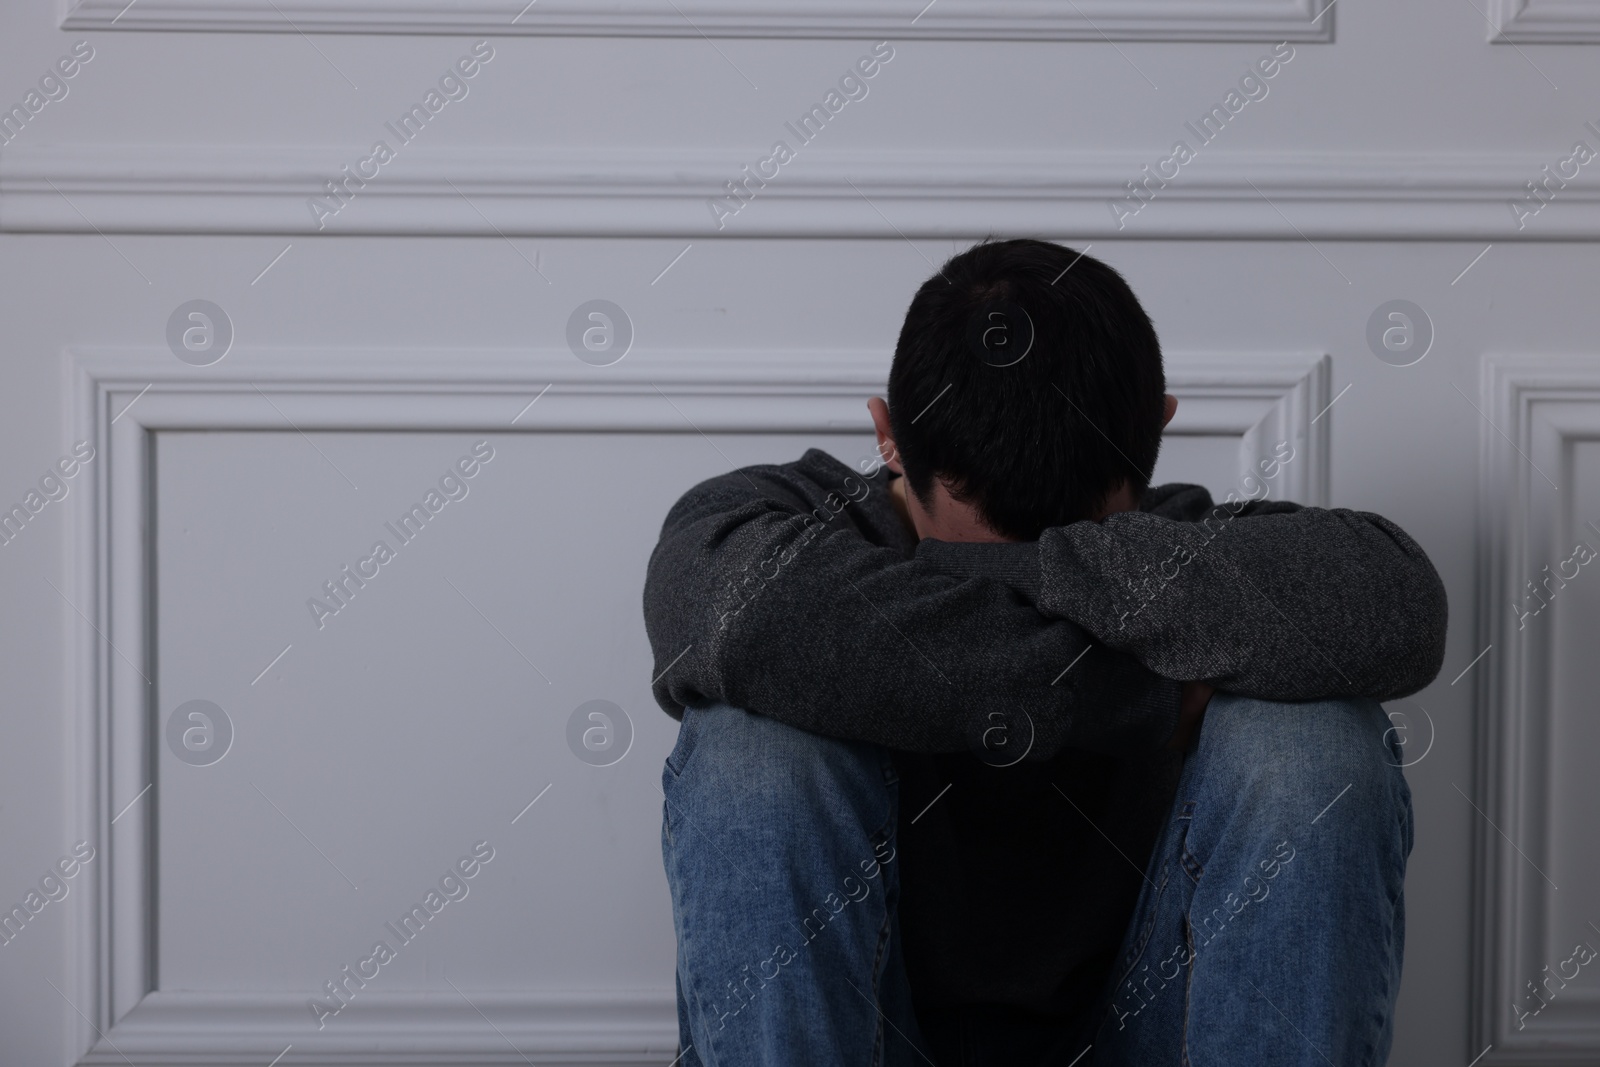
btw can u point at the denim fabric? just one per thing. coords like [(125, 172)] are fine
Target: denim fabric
[(779, 848), (1272, 924), (1269, 930)]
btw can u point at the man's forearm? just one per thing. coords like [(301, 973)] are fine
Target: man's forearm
[(1280, 602), (842, 637)]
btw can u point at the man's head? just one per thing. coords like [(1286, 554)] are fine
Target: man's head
[(1026, 392)]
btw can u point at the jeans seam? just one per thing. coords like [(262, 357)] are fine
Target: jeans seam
[(1370, 1056), (884, 835), (697, 1005), (880, 1045), (1148, 929), (692, 995), (1143, 943), (1188, 985)]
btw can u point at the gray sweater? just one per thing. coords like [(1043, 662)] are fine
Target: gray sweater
[(797, 592)]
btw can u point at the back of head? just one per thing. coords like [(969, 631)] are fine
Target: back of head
[(1028, 378)]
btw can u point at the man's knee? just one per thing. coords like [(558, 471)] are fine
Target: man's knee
[(747, 747), (737, 760), (1285, 755)]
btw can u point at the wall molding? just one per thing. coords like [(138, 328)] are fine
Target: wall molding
[(623, 1028), (1266, 400), (823, 193), (119, 397), (1029, 20), (1545, 22), (1540, 406)]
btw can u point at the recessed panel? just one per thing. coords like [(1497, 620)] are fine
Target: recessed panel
[(384, 725)]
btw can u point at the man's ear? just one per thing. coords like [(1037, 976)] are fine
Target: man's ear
[(1171, 409), (887, 451)]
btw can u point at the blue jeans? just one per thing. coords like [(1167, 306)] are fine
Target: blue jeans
[(1269, 930)]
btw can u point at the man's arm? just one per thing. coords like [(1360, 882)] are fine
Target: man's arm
[(1268, 599), (751, 599)]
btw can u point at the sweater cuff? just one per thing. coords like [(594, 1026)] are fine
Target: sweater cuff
[(1015, 563)]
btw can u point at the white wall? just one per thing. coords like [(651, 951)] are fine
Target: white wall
[(434, 306)]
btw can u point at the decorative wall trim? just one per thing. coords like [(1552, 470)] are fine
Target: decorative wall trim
[(1266, 401), (823, 193), (1545, 22), (552, 1029), (1539, 407), (1028, 20), (120, 397)]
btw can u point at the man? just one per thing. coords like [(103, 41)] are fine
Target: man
[(993, 754)]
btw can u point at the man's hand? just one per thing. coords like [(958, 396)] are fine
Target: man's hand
[(1191, 709)]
